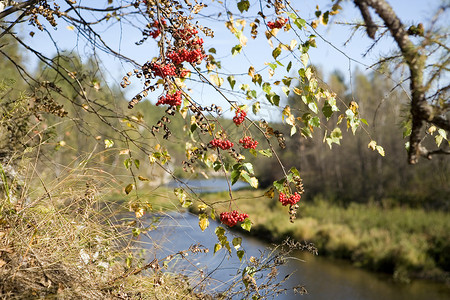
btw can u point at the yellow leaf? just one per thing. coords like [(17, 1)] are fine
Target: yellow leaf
[(139, 213), (372, 145), (129, 188), (251, 71), (218, 81), (141, 178), (270, 193), (293, 44), (380, 150), (203, 221), (304, 59), (124, 152), (202, 206), (432, 129), (297, 91), (353, 106)]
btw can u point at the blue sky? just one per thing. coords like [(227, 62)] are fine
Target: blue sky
[(122, 38)]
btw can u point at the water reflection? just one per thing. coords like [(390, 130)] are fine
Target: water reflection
[(324, 279), (212, 185)]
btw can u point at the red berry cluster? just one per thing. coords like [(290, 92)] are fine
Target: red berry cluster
[(163, 70), (155, 32), (239, 118), (232, 218), (279, 23), (224, 145), (182, 55), (293, 199), (248, 143), (170, 99)]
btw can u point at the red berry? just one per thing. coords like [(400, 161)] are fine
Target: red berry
[(293, 199), (239, 118), (224, 145), (232, 218), (170, 99), (279, 23), (248, 143)]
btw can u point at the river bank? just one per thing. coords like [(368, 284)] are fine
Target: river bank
[(404, 242)]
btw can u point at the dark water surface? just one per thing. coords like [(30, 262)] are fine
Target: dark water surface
[(324, 279)]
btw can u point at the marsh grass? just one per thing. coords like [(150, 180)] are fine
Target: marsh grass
[(405, 242), (71, 237)]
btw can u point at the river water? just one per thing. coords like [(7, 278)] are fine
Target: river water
[(323, 278)]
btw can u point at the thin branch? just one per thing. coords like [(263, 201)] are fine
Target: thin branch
[(17, 7)]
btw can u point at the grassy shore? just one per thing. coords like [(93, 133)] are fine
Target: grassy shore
[(404, 242)]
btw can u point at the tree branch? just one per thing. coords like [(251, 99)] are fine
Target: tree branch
[(17, 7), (421, 110)]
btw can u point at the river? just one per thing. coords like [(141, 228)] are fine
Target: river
[(323, 278)]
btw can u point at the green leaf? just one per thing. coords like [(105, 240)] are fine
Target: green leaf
[(212, 50), (306, 131), (253, 152), (256, 107), (266, 152), (247, 224), (236, 50), (315, 121), (235, 174), (249, 167), (240, 254), (364, 121), (335, 137), (231, 81), (186, 203), (279, 184), (293, 130), (217, 247), (244, 5), (217, 165), (136, 231), (273, 66), (127, 163), (180, 194), (237, 242), (289, 66), (137, 163), (276, 52), (327, 110), (109, 143), (275, 100), (220, 231), (253, 181), (325, 17), (300, 23), (438, 139), (287, 81), (294, 171), (266, 87)]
